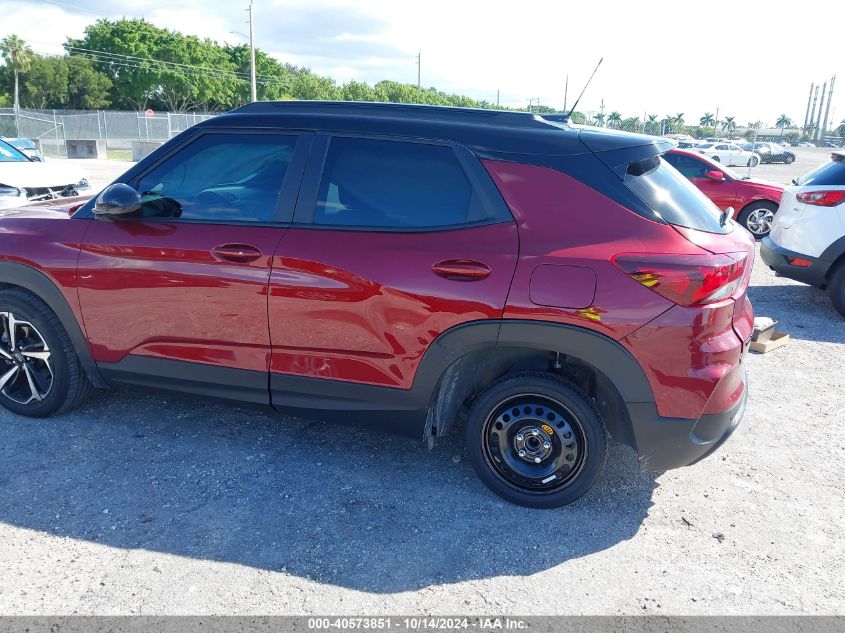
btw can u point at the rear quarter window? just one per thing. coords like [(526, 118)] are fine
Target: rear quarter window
[(831, 173), (672, 196)]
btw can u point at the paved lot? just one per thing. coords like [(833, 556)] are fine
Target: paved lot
[(151, 503)]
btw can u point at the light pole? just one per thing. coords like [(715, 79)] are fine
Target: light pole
[(253, 87)]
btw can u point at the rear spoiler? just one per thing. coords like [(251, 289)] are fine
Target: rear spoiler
[(619, 149)]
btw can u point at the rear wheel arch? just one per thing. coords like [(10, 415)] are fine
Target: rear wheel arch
[(15, 275), (598, 365)]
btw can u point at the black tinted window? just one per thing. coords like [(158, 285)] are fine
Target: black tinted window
[(220, 177), (393, 184), (673, 197), (830, 173), (687, 165)]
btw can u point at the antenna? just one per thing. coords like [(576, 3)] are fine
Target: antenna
[(569, 114)]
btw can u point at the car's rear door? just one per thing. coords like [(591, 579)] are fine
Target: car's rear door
[(179, 294), (394, 242)]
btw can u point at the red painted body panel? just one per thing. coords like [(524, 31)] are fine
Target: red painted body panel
[(690, 355), (156, 289), (47, 240), (365, 306), (736, 193)]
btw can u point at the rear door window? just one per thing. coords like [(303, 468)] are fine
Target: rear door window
[(673, 197), (387, 184), (829, 174)]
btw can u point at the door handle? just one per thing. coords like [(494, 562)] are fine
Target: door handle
[(237, 253), (461, 270)]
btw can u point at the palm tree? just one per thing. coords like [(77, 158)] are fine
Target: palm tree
[(599, 119), (17, 54), (678, 122), (614, 120), (708, 120), (651, 124), (729, 125), (783, 122)]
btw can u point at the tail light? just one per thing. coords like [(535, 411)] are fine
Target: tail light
[(687, 280), (822, 198)]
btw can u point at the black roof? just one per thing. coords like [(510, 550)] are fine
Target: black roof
[(495, 131)]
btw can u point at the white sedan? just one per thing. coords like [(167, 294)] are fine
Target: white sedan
[(729, 154), (23, 180)]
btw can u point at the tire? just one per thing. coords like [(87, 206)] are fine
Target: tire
[(836, 288), (753, 162), (788, 159), (40, 375), (757, 218), (548, 419)]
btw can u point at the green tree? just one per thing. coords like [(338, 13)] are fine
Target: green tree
[(708, 120), (307, 85), (46, 83), (599, 119), (729, 125), (652, 126), (783, 122), (632, 124), (357, 91), (87, 88), (17, 54), (274, 80), (614, 120), (678, 122)]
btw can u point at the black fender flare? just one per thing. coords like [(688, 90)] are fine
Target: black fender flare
[(833, 254), (439, 383), (39, 284)]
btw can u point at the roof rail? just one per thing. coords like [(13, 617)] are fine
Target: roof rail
[(396, 110)]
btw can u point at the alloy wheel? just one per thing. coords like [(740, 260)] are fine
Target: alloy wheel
[(534, 443), (26, 366), (760, 221)]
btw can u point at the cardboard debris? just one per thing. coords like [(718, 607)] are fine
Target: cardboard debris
[(764, 338)]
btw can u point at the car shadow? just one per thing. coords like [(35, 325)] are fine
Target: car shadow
[(161, 472), (804, 312)]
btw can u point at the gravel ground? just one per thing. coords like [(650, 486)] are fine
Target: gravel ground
[(151, 503)]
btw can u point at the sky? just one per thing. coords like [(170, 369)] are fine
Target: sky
[(746, 58)]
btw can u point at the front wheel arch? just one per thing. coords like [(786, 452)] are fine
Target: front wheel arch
[(15, 275)]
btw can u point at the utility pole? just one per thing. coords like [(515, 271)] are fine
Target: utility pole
[(716, 122), (827, 111), (566, 94), (813, 111), (818, 131), (807, 112), (252, 85), (497, 98), (419, 69)]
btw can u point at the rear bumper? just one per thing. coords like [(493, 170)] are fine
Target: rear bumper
[(666, 443), (778, 259)]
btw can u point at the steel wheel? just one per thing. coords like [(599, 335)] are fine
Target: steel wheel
[(760, 220), (26, 366), (534, 443)]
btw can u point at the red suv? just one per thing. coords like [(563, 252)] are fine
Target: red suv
[(406, 267), (754, 202)]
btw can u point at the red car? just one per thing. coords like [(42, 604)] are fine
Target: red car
[(405, 267), (754, 202)]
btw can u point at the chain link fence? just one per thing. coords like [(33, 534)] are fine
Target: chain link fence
[(52, 128)]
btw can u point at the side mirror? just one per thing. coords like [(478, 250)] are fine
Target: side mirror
[(116, 201), (715, 174)]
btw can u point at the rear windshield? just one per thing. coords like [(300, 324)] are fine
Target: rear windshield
[(831, 173), (672, 196)]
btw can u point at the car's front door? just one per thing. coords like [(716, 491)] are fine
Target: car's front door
[(179, 293), (393, 243), (721, 192)]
